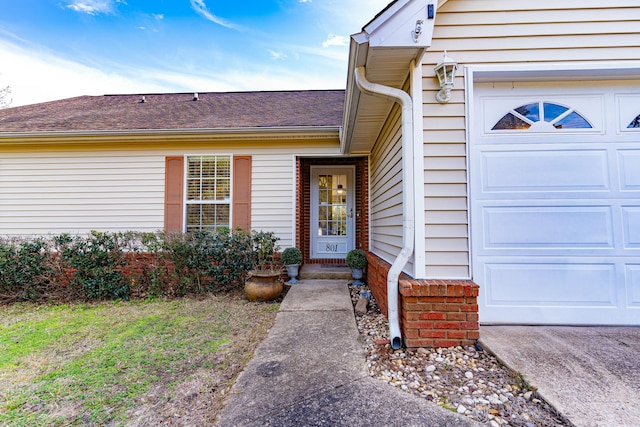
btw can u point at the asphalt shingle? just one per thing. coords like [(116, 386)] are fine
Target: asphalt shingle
[(175, 111)]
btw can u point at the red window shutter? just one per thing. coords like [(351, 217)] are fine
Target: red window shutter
[(241, 192), (173, 194)]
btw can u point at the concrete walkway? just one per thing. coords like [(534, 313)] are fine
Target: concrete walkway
[(590, 374), (310, 371)]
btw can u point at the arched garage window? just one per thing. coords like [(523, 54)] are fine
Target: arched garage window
[(542, 117), (635, 123)]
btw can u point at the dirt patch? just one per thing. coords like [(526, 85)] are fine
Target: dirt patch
[(199, 398)]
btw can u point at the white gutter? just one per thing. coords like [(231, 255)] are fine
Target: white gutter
[(408, 222)]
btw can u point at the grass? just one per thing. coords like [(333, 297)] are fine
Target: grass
[(115, 363)]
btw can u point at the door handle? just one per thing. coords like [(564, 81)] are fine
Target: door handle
[(351, 213)]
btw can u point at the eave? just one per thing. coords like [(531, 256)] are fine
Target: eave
[(252, 134), (386, 48)]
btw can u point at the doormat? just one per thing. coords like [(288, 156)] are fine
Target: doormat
[(333, 266)]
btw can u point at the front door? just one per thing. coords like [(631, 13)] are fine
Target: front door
[(332, 211)]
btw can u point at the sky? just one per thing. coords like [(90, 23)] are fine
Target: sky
[(55, 49)]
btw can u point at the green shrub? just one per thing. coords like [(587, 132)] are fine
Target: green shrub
[(122, 265), (291, 256), (98, 261), (265, 245), (356, 258), (25, 269)]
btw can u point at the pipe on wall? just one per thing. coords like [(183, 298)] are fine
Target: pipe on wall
[(408, 216)]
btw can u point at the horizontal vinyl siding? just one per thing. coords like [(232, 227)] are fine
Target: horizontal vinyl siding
[(43, 193), (70, 190), (500, 32), (272, 195), (386, 192)]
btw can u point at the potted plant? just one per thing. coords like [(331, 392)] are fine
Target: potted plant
[(263, 280), (357, 261), (292, 258)]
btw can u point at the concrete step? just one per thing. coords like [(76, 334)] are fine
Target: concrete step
[(324, 271)]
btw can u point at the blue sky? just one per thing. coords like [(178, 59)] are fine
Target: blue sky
[(54, 49)]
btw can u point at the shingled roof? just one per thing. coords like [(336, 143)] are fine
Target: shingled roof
[(175, 111)]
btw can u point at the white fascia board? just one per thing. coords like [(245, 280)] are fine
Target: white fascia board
[(396, 25), (249, 133), (358, 51)]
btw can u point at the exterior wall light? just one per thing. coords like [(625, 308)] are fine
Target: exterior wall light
[(446, 72)]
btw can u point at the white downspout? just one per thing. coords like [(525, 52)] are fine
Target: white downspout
[(408, 225)]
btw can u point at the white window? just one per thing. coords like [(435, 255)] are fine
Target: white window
[(208, 195), (542, 116)]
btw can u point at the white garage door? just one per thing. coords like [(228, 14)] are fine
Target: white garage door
[(555, 202)]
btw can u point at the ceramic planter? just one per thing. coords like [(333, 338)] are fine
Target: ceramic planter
[(292, 272), (263, 286)]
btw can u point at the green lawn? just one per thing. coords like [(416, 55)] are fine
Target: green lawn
[(109, 363)]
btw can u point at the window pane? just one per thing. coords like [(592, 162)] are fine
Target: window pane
[(222, 215), (208, 215), (510, 122), (322, 228), (208, 189), (635, 123), (223, 189), (224, 167), (209, 167), (193, 189), (573, 121), (530, 111), (323, 213), (552, 111), (193, 170), (193, 217)]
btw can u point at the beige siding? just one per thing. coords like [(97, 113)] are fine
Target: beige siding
[(71, 190), (58, 192), (272, 195), (500, 32), (386, 191)]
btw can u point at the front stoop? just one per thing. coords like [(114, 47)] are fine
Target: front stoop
[(324, 272)]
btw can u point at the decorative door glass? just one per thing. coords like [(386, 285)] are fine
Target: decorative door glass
[(332, 205)]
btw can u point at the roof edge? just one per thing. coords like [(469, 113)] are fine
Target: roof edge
[(217, 134)]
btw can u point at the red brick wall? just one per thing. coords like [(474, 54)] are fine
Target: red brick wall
[(433, 313)]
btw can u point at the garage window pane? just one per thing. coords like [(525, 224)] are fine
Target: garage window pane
[(511, 122), (543, 116)]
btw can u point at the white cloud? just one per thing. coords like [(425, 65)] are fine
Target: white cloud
[(93, 7), (305, 1), (333, 40), (200, 7), (276, 55), (158, 16), (38, 76)]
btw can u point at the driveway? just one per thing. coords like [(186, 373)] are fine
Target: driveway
[(590, 374)]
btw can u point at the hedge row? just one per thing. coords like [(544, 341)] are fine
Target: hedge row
[(124, 265)]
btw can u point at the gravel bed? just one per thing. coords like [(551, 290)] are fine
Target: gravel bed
[(469, 380)]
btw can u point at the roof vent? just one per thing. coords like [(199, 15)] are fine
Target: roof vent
[(143, 99), (195, 96)]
